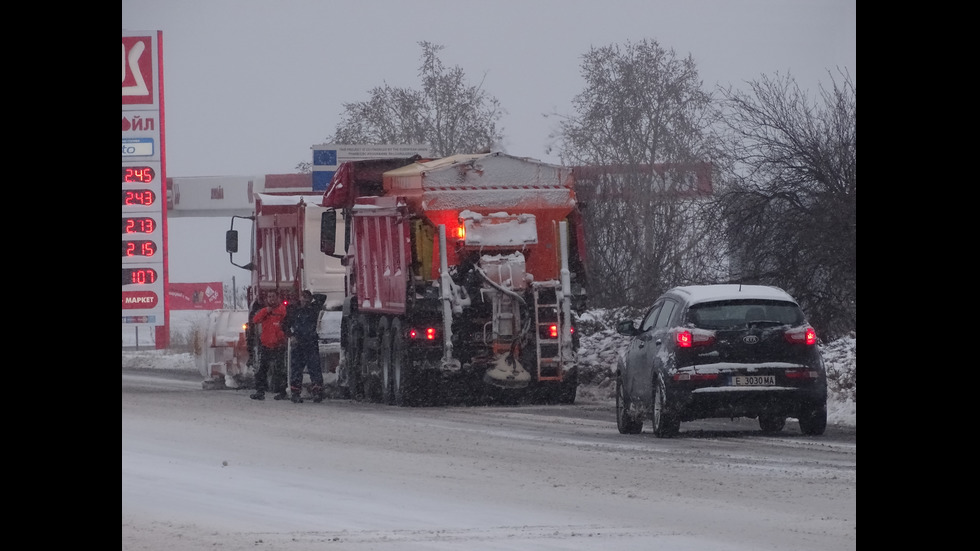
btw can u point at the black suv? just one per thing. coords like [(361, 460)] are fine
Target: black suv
[(706, 351)]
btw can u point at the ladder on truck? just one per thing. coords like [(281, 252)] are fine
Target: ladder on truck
[(550, 334)]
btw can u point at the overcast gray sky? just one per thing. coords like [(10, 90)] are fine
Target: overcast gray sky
[(251, 85)]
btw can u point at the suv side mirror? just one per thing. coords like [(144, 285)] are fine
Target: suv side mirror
[(627, 328)]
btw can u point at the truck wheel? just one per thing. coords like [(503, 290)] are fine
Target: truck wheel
[(352, 355), (625, 421), (665, 424), (569, 386), (404, 383), (369, 363), (384, 359)]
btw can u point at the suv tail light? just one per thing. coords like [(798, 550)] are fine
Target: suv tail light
[(689, 338), (801, 335)]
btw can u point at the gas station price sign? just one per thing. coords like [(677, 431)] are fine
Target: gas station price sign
[(143, 182)]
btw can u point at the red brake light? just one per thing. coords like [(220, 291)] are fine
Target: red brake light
[(684, 339), (461, 231), (430, 334), (687, 339), (553, 331), (802, 335)]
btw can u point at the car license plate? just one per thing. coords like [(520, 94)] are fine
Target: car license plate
[(755, 380)]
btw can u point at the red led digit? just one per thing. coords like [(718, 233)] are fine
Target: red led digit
[(138, 174), (131, 197), (138, 276), (138, 225), (139, 248)]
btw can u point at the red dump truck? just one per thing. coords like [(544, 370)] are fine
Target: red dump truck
[(463, 278), (284, 258)]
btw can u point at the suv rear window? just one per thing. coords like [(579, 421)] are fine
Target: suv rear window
[(735, 313)]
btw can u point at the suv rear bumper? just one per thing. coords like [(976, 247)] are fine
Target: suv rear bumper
[(745, 402)]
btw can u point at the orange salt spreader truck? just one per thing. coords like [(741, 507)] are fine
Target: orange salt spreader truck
[(464, 277)]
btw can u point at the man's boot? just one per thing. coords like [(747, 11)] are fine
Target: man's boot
[(296, 394), (258, 395), (281, 395), (317, 393)]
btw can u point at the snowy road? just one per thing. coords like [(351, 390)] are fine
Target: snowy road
[(216, 470)]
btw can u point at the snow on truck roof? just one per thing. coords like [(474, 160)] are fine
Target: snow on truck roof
[(488, 181), (706, 293), (288, 200), (467, 170)]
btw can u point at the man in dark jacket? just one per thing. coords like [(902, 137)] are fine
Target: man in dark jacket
[(300, 325)]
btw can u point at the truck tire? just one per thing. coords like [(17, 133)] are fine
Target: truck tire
[(352, 355), (569, 387), (404, 379), (385, 361), (369, 363)]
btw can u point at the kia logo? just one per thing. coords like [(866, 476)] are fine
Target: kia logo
[(750, 339)]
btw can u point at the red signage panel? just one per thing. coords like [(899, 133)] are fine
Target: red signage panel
[(139, 300), (196, 296), (137, 70)]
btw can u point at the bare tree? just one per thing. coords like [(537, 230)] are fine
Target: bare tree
[(446, 113), (642, 107), (790, 204)]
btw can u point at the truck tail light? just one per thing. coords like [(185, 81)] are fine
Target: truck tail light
[(801, 335), (688, 339), (461, 231), (429, 333), (548, 331)]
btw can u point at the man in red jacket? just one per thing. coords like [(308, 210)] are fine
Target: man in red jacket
[(272, 349)]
